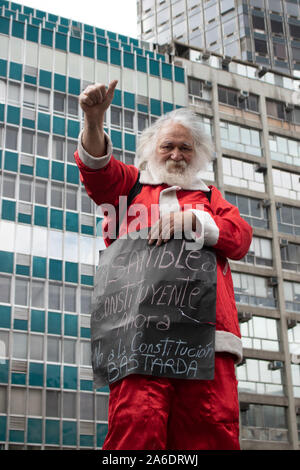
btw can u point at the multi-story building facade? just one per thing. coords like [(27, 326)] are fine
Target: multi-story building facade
[(266, 32), (50, 233)]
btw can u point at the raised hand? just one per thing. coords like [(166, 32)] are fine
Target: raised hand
[(95, 100)]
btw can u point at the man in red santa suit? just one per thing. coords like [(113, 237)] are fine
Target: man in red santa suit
[(148, 412)]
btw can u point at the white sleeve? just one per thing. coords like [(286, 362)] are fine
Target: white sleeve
[(208, 231), (94, 163)]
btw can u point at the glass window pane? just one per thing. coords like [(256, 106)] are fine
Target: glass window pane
[(54, 298), (5, 283), (44, 99), (58, 148), (18, 401), (71, 148), (13, 92), (87, 406), (35, 402), (9, 183), (42, 145), (21, 291), (36, 345), (59, 102), (53, 349), (29, 98), (37, 294), (73, 105), (25, 189), (69, 405), (86, 298), (11, 140), (56, 195), (53, 403), (70, 299), (41, 192), (71, 199), (70, 351), (20, 345), (27, 141)]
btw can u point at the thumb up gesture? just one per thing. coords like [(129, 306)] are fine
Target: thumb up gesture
[(95, 100)]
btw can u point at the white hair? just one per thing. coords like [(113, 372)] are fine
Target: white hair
[(184, 116)]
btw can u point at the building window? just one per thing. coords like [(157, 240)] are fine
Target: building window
[(14, 92), (11, 140), (288, 219), (258, 22), (58, 148), (261, 46), (240, 139), (53, 349), (53, 403), (256, 376), (54, 296), (279, 110), (73, 105), (41, 192), (285, 150), (290, 256), (57, 195), (292, 296), (115, 116), (70, 299), (9, 185), (260, 333), (279, 50), (5, 283), (254, 211), (128, 119), (59, 100), (286, 184), (260, 252), (247, 101), (294, 347), (264, 422), (85, 300), (42, 145), (27, 141), (71, 198), (25, 189), (29, 98), (143, 121), (21, 291), (253, 290), (44, 100), (276, 27), (242, 174), (20, 343)]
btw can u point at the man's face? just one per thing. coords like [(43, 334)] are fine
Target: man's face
[(175, 148)]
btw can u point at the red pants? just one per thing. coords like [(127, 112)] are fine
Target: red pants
[(154, 413)]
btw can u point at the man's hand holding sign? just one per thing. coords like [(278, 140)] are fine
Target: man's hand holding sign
[(164, 327)]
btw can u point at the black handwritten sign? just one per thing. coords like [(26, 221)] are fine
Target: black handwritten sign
[(153, 311)]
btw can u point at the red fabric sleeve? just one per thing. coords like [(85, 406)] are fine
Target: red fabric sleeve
[(108, 183), (235, 234)]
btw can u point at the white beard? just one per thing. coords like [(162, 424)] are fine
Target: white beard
[(174, 173)]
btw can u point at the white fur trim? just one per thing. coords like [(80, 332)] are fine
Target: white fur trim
[(168, 201), (228, 342), (95, 163), (210, 231)]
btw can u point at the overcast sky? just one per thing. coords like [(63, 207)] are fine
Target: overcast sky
[(113, 15)]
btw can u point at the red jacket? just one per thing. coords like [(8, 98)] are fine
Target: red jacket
[(230, 237)]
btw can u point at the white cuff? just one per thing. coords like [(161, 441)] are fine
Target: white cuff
[(95, 163), (209, 230)]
